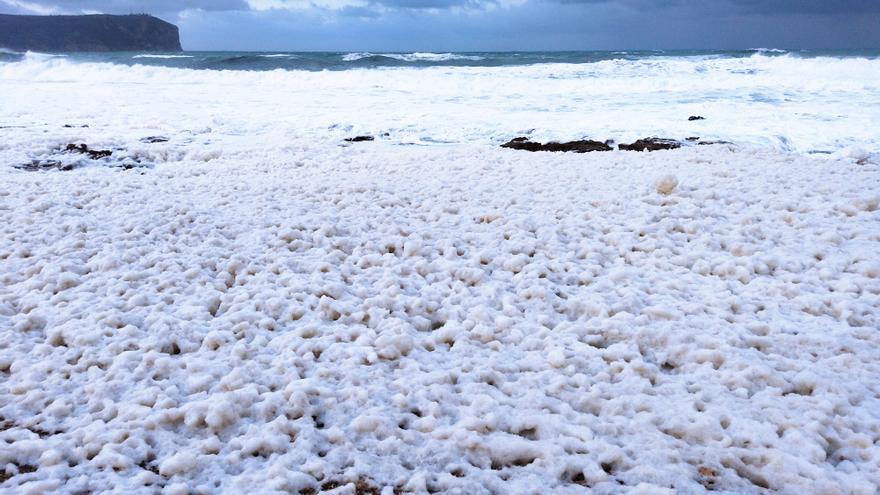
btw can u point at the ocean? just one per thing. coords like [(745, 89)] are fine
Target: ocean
[(316, 61)]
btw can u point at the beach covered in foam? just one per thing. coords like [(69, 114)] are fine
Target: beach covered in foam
[(254, 304)]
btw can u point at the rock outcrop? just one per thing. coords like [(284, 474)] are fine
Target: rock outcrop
[(582, 146), (74, 156), (585, 146), (651, 144), (88, 33)]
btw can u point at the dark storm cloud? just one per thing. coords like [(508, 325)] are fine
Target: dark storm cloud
[(806, 6), (120, 6), (746, 7), (742, 7), (432, 4)]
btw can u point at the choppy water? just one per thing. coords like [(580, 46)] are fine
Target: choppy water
[(361, 60)]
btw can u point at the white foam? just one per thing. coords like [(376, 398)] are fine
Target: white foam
[(296, 314), (411, 57), (769, 50), (40, 56), (160, 56), (355, 56), (784, 102), (431, 57)]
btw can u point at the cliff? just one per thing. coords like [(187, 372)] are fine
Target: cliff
[(88, 33)]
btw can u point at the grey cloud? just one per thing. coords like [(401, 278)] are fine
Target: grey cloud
[(433, 4), (745, 7), (806, 6), (535, 25), (127, 6), (440, 25), (358, 12), (717, 7)]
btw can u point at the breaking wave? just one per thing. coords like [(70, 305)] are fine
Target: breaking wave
[(791, 101), (410, 57), (149, 55)]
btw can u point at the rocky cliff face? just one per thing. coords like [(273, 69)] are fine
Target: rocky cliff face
[(88, 33)]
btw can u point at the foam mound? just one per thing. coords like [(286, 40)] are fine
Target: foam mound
[(448, 320)]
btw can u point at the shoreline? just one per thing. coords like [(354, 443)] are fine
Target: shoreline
[(790, 104), (151, 151)]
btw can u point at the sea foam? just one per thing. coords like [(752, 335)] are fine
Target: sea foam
[(161, 56), (784, 102), (411, 57), (273, 309)]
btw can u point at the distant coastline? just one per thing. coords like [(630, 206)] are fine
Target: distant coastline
[(88, 33)]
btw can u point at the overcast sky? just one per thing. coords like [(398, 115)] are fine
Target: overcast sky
[(462, 25)]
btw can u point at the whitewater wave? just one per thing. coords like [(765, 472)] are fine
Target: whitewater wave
[(746, 98), (279, 55), (767, 50), (150, 55), (42, 56), (411, 57), (7, 55)]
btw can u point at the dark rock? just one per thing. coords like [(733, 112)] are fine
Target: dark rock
[(582, 146), (68, 126), (22, 469), (93, 154), (131, 164), (61, 160), (38, 165), (88, 33), (651, 144), (693, 138), (359, 139), (696, 117), (155, 139), (98, 154)]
